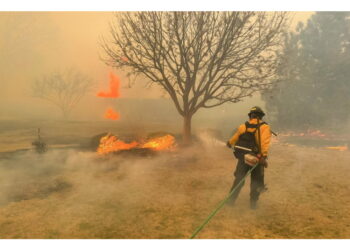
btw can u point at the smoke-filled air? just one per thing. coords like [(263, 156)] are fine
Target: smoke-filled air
[(174, 125)]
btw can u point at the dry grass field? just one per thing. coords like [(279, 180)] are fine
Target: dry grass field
[(72, 193)]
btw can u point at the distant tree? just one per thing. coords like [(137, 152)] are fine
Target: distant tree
[(315, 89), (63, 89), (201, 59)]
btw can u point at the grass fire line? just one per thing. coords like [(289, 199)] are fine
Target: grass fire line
[(111, 143)]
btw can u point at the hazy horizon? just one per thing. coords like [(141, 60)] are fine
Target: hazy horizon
[(39, 43)]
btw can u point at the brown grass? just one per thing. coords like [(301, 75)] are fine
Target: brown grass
[(169, 195)]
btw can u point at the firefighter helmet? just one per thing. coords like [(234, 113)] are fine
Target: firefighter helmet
[(256, 110)]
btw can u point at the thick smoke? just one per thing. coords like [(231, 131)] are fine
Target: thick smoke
[(28, 175)]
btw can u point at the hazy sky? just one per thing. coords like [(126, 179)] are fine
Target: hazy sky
[(37, 43)]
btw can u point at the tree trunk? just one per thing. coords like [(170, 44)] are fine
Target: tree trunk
[(65, 113), (186, 134)]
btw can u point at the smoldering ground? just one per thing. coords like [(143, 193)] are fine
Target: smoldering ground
[(78, 194), (89, 190)]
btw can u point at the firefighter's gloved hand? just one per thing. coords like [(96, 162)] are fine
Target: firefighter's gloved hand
[(228, 144), (263, 161)]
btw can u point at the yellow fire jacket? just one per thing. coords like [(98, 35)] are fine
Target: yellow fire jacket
[(265, 134)]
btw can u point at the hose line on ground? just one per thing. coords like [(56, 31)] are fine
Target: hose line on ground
[(221, 204)]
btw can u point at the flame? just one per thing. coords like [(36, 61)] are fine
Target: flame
[(111, 114), (124, 59), (111, 143), (340, 148), (316, 133), (114, 84), (160, 143)]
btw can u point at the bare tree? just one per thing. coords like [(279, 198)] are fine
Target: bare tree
[(201, 59), (63, 89)]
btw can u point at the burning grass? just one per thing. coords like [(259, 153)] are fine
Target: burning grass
[(110, 143), (74, 194), (315, 138)]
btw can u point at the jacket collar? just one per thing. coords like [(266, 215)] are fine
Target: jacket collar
[(255, 121)]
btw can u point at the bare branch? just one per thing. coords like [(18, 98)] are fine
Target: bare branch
[(63, 89), (201, 59)]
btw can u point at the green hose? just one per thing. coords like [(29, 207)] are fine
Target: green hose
[(222, 203)]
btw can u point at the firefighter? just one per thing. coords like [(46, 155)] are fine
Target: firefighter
[(251, 138)]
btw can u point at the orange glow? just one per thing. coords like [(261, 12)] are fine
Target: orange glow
[(114, 84), (111, 114), (316, 133), (110, 143), (340, 148), (160, 143), (308, 133), (125, 59)]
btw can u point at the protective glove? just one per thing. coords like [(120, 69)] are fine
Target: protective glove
[(228, 144), (263, 161)]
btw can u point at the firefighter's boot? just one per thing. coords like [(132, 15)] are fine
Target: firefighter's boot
[(253, 204)]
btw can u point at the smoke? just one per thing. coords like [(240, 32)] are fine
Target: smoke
[(67, 193), (73, 192), (41, 42), (29, 175), (209, 139), (80, 177)]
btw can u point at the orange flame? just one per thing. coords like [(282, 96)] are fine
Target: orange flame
[(111, 143), (340, 148), (160, 143), (111, 114), (114, 84), (124, 59)]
